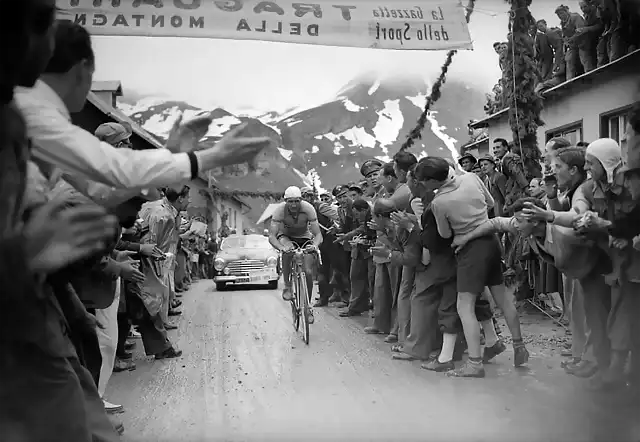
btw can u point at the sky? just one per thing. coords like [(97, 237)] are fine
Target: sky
[(265, 76)]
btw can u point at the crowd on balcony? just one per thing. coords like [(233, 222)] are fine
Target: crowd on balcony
[(600, 33)]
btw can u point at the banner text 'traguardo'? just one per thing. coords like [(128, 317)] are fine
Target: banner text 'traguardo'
[(426, 25)]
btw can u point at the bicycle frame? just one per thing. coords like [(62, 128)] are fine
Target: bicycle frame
[(300, 302)]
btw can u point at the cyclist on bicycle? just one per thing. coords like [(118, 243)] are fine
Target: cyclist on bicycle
[(294, 223)]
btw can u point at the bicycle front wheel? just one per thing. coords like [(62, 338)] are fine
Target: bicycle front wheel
[(304, 307), (295, 310)]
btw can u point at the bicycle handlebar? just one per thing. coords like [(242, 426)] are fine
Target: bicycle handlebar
[(302, 250)]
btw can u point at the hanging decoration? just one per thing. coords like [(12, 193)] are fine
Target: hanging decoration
[(435, 94), (268, 196), (520, 76)]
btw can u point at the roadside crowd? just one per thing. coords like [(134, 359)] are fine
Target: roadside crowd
[(91, 236), (435, 249)]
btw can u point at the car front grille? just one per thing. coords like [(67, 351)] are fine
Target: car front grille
[(241, 268)]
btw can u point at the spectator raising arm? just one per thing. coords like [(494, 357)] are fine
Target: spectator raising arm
[(57, 141)]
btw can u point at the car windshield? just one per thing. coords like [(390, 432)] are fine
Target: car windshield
[(245, 242)]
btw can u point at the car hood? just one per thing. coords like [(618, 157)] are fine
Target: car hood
[(237, 254)]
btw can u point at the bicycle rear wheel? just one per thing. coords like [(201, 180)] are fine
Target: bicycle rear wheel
[(304, 307)]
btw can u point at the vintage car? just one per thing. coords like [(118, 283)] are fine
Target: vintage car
[(246, 259)]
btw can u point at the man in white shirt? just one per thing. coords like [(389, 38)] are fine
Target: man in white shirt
[(63, 89)]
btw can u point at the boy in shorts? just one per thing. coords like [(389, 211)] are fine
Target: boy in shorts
[(460, 205)]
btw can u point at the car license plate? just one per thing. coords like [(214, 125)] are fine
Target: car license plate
[(242, 280), (264, 275)]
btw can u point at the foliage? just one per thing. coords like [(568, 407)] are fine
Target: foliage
[(520, 75), (269, 196), (416, 132)]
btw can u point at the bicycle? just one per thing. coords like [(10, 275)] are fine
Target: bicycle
[(300, 308)]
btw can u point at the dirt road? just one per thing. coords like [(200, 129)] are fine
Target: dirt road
[(246, 376)]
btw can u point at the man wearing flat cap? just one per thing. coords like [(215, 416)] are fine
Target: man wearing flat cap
[(342, 258), (355, 191), (116, 134), (467, 161)]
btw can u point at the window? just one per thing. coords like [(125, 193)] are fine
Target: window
[(613, 124), (572, 132), (615, 127)]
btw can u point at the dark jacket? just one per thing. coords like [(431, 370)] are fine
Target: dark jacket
[(442, 264)]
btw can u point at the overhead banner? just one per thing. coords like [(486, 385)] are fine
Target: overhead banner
[(422, 25)]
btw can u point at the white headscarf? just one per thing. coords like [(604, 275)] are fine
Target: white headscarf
[(608, 152)]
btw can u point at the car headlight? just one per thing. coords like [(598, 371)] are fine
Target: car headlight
[(218, 264), (272, 261)]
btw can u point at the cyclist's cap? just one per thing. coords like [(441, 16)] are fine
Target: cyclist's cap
[(340, 190), (370, 166), (361, 205), (306, 190), (292, 192), (384, 206), (112, 133)]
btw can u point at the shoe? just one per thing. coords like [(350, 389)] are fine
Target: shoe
[(170, 326), (437, 366), (123, 365), (134, 334), (493, 351), (585, 369), (520, 356), (287, 294), (112, 408), (124, 355), (174, 312), (347, 313), (400, 356), (468, 370), (117, 425), (391, 338), (321, 303), (169, 353), (373, 331)]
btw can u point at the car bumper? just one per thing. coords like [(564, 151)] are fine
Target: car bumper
[(256, 278)]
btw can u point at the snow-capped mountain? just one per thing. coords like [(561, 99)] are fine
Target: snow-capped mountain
[(369, 117)]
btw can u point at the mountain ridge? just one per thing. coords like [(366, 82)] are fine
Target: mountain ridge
[(370, 116)]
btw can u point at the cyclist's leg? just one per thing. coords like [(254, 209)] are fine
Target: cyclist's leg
[(286, 269), (309, 269)]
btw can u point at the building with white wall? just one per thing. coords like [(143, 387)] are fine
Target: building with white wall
[(591, 106)]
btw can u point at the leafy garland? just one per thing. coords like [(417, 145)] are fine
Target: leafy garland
[(435, 94), (269, 196), (520, 76)]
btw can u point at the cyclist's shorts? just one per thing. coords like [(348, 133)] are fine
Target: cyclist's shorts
[(300, 242)]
